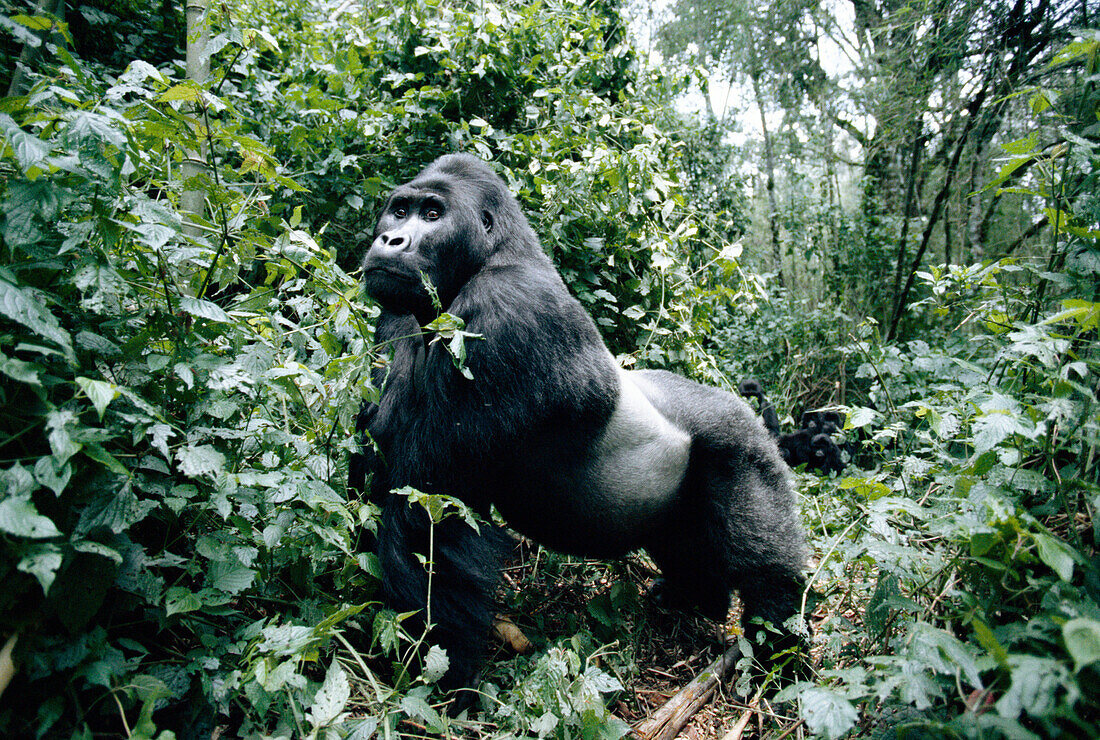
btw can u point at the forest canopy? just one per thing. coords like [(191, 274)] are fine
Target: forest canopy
[(893, 213)]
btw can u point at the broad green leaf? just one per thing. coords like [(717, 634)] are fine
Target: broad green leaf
[(24, 372), (196, 460), (99, 392), (363, 729), (41, 561), (179, 600), (827, 713), (30, 151), (25, 307), (1082, 636), (51, 474), (231, 578), (20, 518), (436, 664), (1055, 553), (331, 698), (187, 91), (204, 309)]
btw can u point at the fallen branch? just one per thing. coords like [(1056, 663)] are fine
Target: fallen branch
[(7, 665), (739, 728), (509, 635), (670, 718)]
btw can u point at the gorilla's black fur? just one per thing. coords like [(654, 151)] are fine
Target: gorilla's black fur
[(751, 388), (573, 451)]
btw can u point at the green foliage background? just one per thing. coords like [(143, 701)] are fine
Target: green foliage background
[(177, 393)]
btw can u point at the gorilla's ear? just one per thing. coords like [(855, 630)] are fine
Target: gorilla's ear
[(487, 221)]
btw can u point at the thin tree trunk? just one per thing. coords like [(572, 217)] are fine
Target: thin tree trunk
[(907, 210), (769, 166), (934, 216), (193, 202)]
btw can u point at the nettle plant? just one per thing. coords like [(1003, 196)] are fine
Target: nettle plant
[(976, 569), (177, 393)]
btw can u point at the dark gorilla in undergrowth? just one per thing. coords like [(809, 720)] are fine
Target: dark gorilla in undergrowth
[(575, 453)]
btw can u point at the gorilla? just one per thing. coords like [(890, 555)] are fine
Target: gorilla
[(751, 388), (822, 422), (573, 451)]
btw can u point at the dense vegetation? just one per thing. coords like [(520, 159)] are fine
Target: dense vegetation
[(914, 239)]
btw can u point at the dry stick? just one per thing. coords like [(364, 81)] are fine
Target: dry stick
[(743, 722), (667, 721)]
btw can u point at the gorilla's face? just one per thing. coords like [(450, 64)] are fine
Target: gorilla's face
[(428, 233)]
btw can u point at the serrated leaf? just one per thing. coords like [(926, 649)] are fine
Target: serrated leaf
[(196, 460), (992, 429), (99, 392), (204, 309), (30, 151), (185, 91), (51, 474), (436, 663), (416, 707), (179, 600), (363, 729), (19, 517), (943, 652), (827, 713), (331, 698), (42, 562), (232, 578), (22, 306)]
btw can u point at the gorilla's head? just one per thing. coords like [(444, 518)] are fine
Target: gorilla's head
[(439, 229)]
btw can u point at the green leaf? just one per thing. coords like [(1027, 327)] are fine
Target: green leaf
[(196, 460), (1057, 554), (25, 307), (106, 459), (990, 642), (331, 698), (24, 372), (30, 151), (827, 713), (19, 517), (1082, 636), (204, 309), (943, 652), (436, 664), (99, 392), (95, 548), (52, 474), (179, 600), (42, 561), (231, 578), (187, 91)]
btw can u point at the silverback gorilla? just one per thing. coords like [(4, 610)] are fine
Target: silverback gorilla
[(575, 453)]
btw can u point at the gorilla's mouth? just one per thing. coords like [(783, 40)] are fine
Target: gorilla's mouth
[(391, 272)]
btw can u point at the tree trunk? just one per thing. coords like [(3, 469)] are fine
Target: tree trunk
[(769, 167), (193, 202)]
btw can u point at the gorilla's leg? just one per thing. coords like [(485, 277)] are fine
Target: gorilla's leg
[(748, 520), (692, 575), (465, 572)]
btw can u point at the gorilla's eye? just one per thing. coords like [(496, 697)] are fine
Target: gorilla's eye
[(400, 212), (431, 213)]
